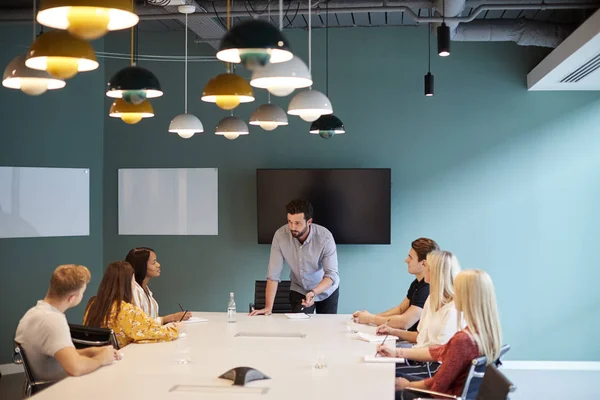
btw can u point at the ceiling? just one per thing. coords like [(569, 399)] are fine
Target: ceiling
[(295, 20)]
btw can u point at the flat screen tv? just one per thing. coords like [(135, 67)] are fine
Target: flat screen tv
[(354, 204)]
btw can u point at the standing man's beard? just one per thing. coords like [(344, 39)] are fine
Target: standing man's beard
[(297, 234)]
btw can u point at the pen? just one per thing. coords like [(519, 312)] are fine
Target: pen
[(384, 339), (180, 306), (185, 312)]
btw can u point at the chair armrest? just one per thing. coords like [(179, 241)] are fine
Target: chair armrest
[(431, 392), (37, 387)]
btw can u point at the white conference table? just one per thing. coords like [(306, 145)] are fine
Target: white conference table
[(151, 371)]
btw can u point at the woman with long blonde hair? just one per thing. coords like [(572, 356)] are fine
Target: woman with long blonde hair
[(475, 298), (438, 321)]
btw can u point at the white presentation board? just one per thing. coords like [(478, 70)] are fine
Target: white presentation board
[(44, 202), (169, 201)]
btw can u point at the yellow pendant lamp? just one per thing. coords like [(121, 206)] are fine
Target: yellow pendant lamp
[(87, 19), (131, 113), (228, 90), (61, 55)]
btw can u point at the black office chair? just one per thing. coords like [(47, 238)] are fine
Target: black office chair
[(282, 297), (86, 336), (476, 377), (32, 386)]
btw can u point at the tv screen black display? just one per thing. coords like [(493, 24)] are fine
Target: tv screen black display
[(354, 204)]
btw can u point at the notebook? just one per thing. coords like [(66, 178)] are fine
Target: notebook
[(193, 320), (297, 316), (370, 358)]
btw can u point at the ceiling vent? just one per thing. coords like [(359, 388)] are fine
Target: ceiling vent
[(574, 64)]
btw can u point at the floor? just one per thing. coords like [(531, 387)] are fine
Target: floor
[(531, 385)]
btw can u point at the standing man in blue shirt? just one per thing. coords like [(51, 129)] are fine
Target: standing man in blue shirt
[(310, 252)]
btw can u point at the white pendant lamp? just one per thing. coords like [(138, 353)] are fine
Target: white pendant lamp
[(231, 127), (312, 104), (31, 81), (269, 116), (186, 125), (281, 79)]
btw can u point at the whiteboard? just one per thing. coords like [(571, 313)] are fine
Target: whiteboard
[(44, 202), (171, 201)]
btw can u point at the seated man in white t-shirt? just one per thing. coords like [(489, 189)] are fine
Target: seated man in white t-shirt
[(44, 333)]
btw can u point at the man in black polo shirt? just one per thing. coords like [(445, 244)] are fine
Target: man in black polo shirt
[(407, 314)]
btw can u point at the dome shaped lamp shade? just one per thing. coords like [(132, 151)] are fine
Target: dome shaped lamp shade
[(281, 79), (228, 91), (61, 55), (254, 43), (269, 117), (327, 126), (134, 84), (310, 105), (231, 128), (186, 125), (131, 113), (87, 19), (31, 81)]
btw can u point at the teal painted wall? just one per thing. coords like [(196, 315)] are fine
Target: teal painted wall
[(61, 128), (505, 178)]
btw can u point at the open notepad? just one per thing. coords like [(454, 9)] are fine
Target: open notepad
[(370, 358), (297, 316), (193, 320)]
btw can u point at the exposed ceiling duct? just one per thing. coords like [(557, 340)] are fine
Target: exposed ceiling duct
[(521, 31)]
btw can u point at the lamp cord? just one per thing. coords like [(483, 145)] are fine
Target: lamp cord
[(34, 4), (327, 48), (443, 11), (280, 15), (269, 15), (228, 65), (186, 60), (429, 48)]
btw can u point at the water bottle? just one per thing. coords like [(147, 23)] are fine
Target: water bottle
[(231, 309)]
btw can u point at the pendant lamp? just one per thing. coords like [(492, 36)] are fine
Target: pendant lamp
[(327, 125), (231, 127), (186, 125), (61, 55), (269, 116), (281, 79), (310, 105), (254, 43), (443, 34), (87, 19), (429, 76), (134, 84), (131, 113)]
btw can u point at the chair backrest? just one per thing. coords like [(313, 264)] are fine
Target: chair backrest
[(477, 372), (86, 336), (494, 385), (282, 299), (19, 357)]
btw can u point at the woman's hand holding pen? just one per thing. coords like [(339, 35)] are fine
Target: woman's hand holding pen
[(384, 351)]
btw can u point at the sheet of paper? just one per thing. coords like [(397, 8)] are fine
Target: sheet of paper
[(370, 358), (194, 320), (297, 316), (367, 337)]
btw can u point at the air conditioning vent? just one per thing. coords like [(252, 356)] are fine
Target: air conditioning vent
[(574, 64)]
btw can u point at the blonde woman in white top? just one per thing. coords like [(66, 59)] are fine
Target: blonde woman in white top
[(438, 321), (146, 266)]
